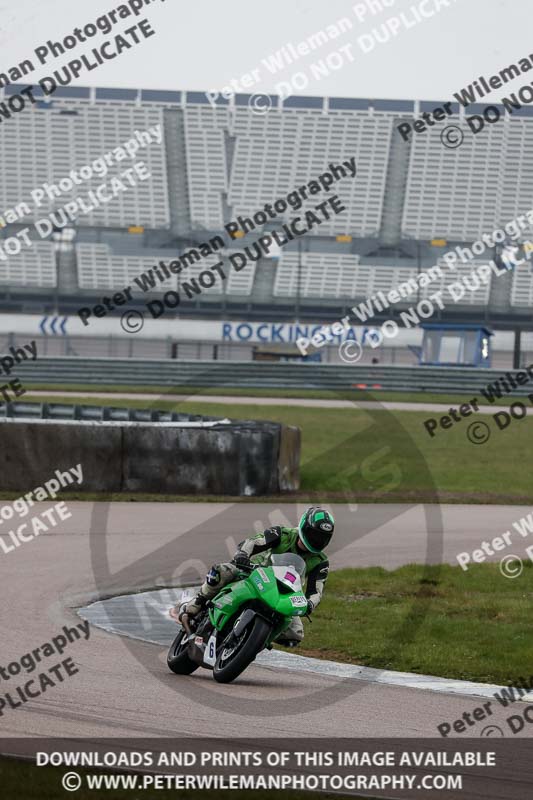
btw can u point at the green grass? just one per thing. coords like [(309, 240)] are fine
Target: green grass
[(25, 781), (313, 394), (471, 625), (356, 455)]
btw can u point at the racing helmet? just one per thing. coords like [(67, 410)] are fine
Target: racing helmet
[(316, 528)]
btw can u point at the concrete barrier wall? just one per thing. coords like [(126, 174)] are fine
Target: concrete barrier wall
[(31, 452), (235, 459), (289, 458)]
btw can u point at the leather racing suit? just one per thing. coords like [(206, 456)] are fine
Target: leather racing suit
[(259, 548)]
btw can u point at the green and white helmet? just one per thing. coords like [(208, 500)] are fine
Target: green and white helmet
[(316, 528)]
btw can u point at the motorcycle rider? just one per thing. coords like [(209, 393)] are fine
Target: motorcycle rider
[(308, 540)]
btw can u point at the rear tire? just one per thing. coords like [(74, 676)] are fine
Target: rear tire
[(177, 659), (254, 638)]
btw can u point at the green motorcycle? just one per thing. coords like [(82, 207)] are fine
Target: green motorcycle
[(245, 617)]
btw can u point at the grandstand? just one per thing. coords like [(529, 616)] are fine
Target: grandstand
[(217, 162), (100, 269), (43, 147), (35, 269)]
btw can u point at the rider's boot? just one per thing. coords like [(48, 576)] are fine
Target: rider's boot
[(194, 606), (198, 603), (217, 577)]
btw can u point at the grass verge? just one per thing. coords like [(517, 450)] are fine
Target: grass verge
[(310, 394), (472, 625), (336, 444)]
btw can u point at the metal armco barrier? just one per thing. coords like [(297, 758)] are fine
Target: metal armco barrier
[(245, 374)]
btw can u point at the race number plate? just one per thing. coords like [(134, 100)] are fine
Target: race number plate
[(299, 600), (210, 654)]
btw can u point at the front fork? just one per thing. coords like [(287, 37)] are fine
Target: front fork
[(185, 624), (199, 640), (243, 619)]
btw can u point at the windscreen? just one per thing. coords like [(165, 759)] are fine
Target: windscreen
[(289, 560)]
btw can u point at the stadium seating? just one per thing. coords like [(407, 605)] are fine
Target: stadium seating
[(335, 276), (33, 266), (236, 161), (44, 145), (522, 288), (99, 269), (478, 297), (252, 159), (461, 193), (517, 170), (284, 150), (453, 193)]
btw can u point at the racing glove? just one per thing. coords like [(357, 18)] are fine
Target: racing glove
[(241, 560)]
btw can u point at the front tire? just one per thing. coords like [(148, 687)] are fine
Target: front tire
[(177, 659), (231, 662)]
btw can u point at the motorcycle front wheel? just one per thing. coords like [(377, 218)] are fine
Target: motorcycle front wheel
[(177, 659), (235, 654)]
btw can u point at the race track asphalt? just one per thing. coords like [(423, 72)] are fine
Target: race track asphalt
[(123, 687)]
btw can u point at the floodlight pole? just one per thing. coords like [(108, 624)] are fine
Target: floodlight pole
[(418, 269), (298, 280)]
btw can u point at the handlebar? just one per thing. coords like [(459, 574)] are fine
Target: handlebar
[(249, 568)]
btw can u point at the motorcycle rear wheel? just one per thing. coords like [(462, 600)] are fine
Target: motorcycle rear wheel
[(230, 662)]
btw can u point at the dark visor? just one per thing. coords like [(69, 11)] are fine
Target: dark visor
[(318, 538)]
